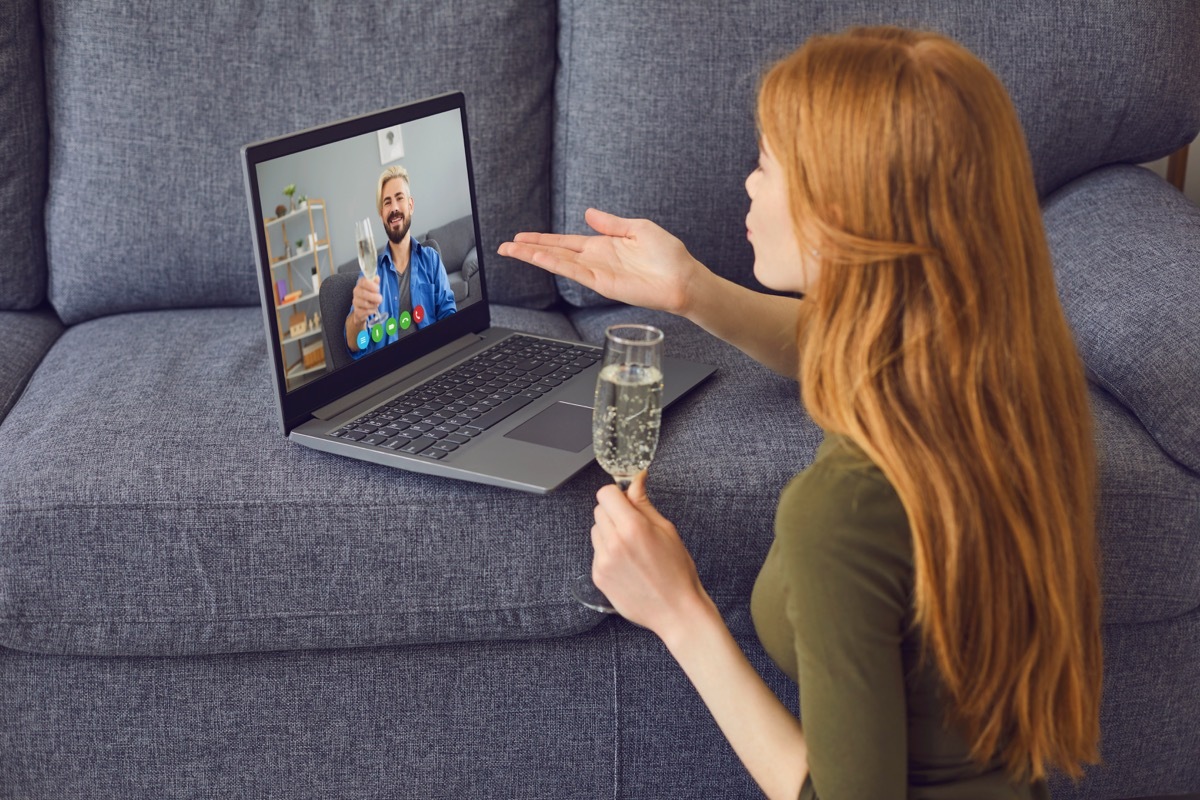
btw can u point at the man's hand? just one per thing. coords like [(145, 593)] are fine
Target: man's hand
[(366, 301)]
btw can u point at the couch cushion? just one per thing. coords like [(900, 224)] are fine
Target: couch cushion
[(27, 336), (655, 100), (22, 157), (1126, 249), (1148, 521), (534, 720), (149, 105), (151, 506)]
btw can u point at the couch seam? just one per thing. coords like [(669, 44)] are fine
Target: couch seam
[(18, 506), (561, 210), (614, 637), (269, 617)]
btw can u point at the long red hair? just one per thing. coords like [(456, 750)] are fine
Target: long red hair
[(935, 341)]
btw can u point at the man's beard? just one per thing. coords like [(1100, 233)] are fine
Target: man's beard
[(396, 235)]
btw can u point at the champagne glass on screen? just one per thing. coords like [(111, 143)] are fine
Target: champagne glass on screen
[(367, 258), (625, 419)]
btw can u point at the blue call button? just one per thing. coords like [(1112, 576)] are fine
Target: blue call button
[(364, 339)]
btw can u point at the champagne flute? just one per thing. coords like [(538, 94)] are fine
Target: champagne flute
[(625, 419), (368, 259)]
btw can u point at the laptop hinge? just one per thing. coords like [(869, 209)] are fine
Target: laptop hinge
[(394, 377)]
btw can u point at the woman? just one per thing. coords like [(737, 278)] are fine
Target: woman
[(933, 583)]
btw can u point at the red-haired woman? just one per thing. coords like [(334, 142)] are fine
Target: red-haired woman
[(933, 584)]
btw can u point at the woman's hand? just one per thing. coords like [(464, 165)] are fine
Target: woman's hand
[(633, 261), (640, 562)]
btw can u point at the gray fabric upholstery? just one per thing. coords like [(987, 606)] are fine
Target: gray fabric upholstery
[(337, 292), (22, 157), (26, 337), (478, 720), (1126, 249), (655, 101), (179, 522), (1149, 735), (1148, 521), (422, 640), (148, 107), (455, 239)]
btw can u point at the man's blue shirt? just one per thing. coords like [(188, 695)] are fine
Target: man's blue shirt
[(430, 291)]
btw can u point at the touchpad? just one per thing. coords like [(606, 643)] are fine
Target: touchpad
[(563, 426)]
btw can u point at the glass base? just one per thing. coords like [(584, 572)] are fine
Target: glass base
[(583, 590)]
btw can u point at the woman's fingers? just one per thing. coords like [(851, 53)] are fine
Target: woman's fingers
[(572, 242), (617, 508), (557, 260)]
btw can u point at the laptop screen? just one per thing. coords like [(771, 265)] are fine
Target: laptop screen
[(369, 240)]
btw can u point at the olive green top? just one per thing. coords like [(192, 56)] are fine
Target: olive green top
[(833, 608)]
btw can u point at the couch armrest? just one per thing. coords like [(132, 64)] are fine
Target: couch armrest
[(1126, 248)]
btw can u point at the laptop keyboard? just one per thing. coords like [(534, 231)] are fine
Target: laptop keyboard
[(444, 414)]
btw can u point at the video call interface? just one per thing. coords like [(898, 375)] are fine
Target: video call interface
[(369, 240)]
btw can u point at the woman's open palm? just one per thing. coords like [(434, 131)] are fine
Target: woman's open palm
[(632, 261)]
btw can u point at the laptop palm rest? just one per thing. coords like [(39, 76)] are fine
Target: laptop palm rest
[(563, 426)]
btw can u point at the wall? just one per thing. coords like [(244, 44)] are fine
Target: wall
[(344, 175), (1191, 186)]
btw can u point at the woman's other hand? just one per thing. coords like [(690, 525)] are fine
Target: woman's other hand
[(641, 564), (632, 261)]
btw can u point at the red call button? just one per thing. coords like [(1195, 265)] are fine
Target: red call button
[(419, 314)]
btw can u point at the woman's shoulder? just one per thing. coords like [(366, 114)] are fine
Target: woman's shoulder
[(844, 502)]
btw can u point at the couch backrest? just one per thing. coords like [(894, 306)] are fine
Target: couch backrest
[(22, 158), (655, 99), (149, 104)]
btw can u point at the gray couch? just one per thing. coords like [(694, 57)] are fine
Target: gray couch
[(190, 606)]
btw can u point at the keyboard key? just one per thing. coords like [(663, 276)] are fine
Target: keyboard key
[(449, 447), (374, 438), (457, 438), (434, 453), (501, 412), (421, 426), (417, 445), (387, 433), (353, 436)]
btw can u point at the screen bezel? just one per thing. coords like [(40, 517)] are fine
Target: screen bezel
[(297, 406)]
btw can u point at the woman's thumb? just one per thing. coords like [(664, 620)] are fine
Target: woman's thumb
[(608, 224), (637, 495)]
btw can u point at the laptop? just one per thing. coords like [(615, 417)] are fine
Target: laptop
[(423, 382)]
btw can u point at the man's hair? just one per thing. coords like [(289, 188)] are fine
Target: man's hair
[(394, 171)]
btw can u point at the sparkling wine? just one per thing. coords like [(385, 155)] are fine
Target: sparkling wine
[(627, 416), (366, 257)]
